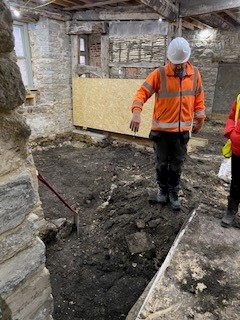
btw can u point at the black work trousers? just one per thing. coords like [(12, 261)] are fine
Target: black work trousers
[(170, 150), (235, 181)]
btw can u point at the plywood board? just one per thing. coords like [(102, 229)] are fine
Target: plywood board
[(105, 104)]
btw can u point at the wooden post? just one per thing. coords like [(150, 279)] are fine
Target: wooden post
[(75, 55), (179, 27), (105, 55)]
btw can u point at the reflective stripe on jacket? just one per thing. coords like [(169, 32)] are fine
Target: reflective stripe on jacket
[(232, 131), (177, 101)]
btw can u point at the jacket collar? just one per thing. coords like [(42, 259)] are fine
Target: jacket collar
[(169, 71)]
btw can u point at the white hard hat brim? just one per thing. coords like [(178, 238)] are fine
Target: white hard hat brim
[(179, 61)]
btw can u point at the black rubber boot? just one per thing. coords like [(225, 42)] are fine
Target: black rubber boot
[(174, 200), (162, 195), (232, 209)]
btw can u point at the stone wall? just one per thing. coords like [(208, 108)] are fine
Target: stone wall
[(208, 51), (51, 64), (131, 55), (136, 48), (25, 291), (136, 57)]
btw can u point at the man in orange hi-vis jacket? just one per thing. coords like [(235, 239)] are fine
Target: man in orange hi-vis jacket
[(178, 109)]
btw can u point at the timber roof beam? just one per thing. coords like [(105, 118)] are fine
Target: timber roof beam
[(199, 7), (165, 8)]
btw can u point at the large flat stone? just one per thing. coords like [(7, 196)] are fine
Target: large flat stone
[(139, 242), (14, 136), (19, 238), (12, 90), (23, 199), (15, 271), (200, 278), (29, 298)]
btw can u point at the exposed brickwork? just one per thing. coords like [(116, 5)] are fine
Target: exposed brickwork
[(131, 73)]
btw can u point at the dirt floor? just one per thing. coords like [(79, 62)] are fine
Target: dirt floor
[(100, 274)]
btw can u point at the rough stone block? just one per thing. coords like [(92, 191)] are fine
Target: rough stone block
[(139, 242), (14, 135), (32, 298), (6, 37), (22, 195), (12, 90), (20, 238), (16, 270)]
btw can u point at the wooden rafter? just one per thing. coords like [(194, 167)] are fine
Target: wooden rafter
[(65, 3), (194, 14), (219, 16), (204, 7), (198, 24), (233, 16)]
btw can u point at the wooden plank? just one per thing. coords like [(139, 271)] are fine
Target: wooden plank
[(135, 64), (30, 99), (101, 135)]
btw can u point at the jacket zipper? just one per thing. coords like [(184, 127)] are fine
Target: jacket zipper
[(180, 109)]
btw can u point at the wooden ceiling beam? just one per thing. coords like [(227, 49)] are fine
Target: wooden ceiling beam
[(140, 12), (188, 25), (65, 3), (94, 4), (204, 6), (165, 8), (233, 16), (223, 19), (198, 24), (213, 21)]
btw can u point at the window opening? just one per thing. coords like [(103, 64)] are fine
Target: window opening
[(22, 50), (83, 51)]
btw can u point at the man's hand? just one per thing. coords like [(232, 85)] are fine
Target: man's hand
[(135, 123), (197, 127)]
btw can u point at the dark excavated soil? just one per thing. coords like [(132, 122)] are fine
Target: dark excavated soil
[(95, 276)]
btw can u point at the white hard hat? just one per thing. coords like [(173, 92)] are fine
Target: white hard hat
[(178, 50)]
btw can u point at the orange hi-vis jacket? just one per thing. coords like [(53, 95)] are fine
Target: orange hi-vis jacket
[(177, 101)]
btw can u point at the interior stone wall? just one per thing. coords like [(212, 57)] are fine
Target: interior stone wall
[(135, 57), (51, 65), (210, 48), (50, 112), (25, 291)]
